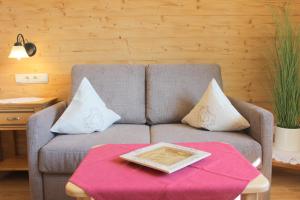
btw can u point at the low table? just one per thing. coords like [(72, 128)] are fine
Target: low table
[(257, 186)]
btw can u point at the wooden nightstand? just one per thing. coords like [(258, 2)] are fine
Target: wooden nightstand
[(13, 118)]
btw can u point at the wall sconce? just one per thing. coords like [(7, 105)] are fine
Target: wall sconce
[(22, 49)]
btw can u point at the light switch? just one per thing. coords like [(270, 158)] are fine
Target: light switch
[(32, 78)]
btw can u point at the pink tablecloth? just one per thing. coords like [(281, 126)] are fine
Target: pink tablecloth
[(222, 176)]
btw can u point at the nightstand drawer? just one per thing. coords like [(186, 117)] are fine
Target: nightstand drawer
[(14, 118)]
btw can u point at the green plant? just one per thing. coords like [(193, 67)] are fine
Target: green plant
[(286, 63)]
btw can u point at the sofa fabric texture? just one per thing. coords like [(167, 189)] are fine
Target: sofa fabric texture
[(64, 153), (121, 87), (38, 135), (170, 91), (261, 129), (173, 90), (176, 133), (54, 185)]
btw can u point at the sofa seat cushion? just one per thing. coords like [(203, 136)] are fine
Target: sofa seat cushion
[(64, 152), (176, 133)]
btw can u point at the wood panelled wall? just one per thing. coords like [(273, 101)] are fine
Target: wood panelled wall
[(237, 34)]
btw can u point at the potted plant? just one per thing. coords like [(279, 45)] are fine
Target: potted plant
[(286, 63)]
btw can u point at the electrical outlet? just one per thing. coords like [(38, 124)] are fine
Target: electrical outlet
[(32, 78)]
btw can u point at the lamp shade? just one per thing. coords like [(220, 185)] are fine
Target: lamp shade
[(18, 52)]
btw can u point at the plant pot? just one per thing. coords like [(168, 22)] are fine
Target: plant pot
[(287, 139)]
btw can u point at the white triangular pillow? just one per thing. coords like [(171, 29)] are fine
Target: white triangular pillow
[(214, 112), (86, 113)]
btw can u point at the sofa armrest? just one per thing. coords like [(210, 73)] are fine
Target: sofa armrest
[(261, 129), (38, 135)]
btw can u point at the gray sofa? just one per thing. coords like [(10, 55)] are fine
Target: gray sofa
[(151, 100)]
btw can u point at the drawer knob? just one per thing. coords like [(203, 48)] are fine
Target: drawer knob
[(13, 118)]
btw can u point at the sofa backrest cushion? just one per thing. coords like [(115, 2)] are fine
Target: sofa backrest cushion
[(121, 86), (172, 90)]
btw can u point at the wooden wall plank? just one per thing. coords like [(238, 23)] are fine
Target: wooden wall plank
[(145, 7), (236, 34)]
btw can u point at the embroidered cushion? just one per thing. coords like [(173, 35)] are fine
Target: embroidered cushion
[(214, 112), (86, 113)]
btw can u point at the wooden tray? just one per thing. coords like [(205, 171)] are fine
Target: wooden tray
[(165, 157)]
